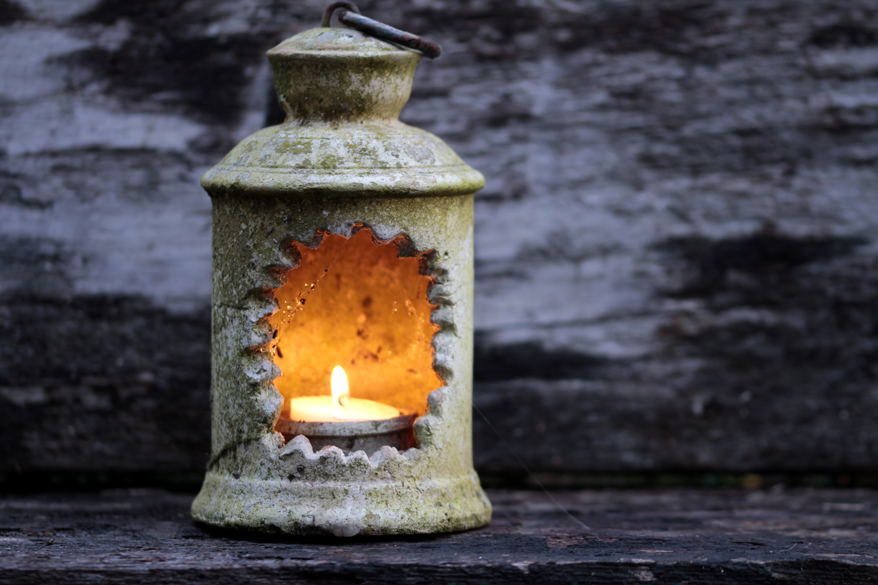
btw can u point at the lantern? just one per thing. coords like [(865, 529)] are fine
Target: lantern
[(342, 308)]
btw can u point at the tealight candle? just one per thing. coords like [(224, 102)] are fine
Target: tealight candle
[(339, 407)]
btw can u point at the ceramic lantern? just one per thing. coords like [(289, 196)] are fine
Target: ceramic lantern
[(342, 308)]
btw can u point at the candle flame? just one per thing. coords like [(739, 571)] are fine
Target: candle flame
[(339, 383)]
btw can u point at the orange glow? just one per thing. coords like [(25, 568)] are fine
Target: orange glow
[(354, 304)]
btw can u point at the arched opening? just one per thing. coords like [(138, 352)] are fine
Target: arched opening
[(356, 303)]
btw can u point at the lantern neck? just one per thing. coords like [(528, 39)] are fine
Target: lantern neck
[(343, 92), (340, 75)]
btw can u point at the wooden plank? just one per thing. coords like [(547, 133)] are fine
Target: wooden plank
[(104, 384), (675, 258), (668, 536)]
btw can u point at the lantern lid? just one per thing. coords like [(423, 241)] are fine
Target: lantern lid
[(319, 41), (342, 92)]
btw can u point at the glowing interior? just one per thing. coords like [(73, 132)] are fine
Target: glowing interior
[(354, 302)]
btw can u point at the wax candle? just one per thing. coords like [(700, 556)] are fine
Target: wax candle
[(339, 407)]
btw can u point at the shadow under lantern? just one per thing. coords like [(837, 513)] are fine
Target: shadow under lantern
[(342, 308)]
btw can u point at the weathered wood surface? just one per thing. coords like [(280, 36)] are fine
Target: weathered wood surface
[(676, 264), (660, 537)]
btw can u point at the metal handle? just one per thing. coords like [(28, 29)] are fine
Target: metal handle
[(350, 16)]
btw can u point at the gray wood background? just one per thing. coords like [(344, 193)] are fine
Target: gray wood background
[(676, 253)]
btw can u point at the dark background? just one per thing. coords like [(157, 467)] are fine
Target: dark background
[(675, 252)]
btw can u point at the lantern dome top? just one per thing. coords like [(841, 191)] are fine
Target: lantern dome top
[(342, 92), (319, 41)]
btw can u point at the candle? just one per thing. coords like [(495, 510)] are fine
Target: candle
[(323, 409), (339, 407)]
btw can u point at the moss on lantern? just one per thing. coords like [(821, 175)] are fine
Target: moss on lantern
[(340, 162)]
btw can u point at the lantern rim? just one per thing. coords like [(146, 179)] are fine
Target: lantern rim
[(346, 160)]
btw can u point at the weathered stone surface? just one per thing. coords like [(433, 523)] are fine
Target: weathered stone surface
[(674, 249), (341, 160)]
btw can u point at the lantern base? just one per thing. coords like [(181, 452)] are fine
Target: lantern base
[(339, 509)]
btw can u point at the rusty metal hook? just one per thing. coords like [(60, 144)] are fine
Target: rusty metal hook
[(350, 16), (327, 14)]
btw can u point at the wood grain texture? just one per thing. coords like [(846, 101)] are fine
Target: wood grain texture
[(675, 255), (660, 537)]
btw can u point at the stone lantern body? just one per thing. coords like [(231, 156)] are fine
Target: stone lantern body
[(342, 236)]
